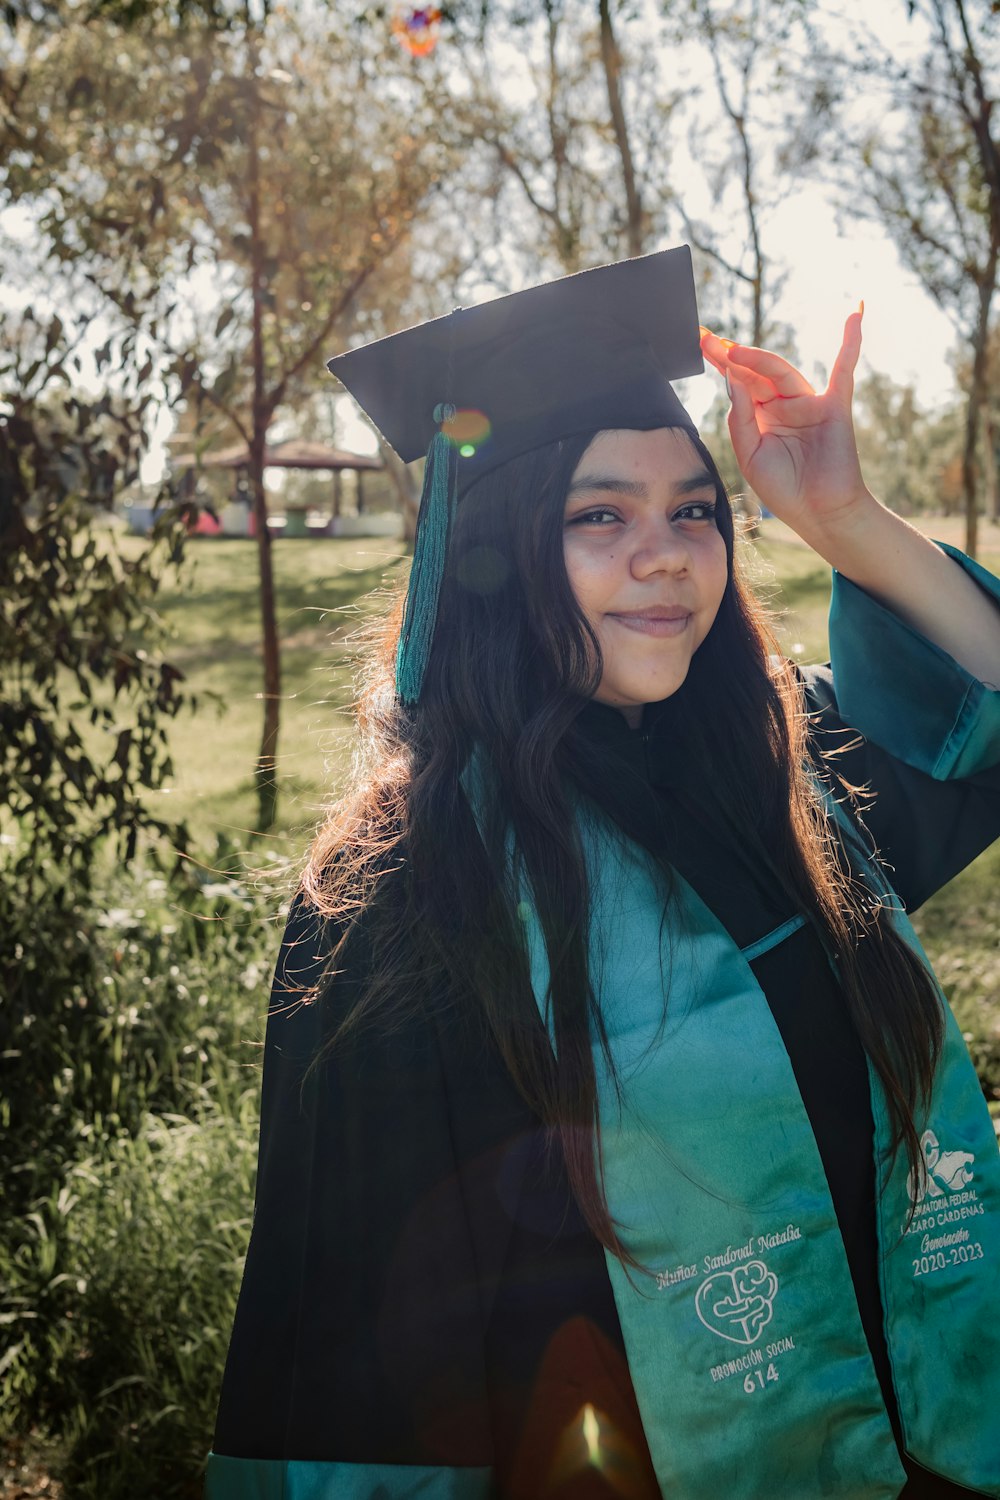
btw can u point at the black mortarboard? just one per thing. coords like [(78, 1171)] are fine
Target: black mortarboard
[(484, 384), (542, 364)]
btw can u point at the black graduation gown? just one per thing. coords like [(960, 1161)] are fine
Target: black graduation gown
[(420, 1288)]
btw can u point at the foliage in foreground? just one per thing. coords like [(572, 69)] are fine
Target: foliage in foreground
[(120, 1011), (85, 696), (117, 1288), (120, 1290)]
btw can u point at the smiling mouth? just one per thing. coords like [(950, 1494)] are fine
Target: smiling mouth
[(653, 623)]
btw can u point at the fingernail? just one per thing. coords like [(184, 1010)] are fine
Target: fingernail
[(861, 308), (728, 343), (729, 388)]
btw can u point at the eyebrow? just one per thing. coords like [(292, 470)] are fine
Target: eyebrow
[(608, 483)]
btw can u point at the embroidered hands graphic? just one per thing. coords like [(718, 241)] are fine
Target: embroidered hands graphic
[(795, 448)]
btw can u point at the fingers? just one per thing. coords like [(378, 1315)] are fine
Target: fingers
[(717, 351), (765, 369), (842, 376), (765, 375), (744, 432)]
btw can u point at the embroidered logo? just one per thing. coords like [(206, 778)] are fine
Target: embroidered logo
[(737, 1304), (940, 1173)]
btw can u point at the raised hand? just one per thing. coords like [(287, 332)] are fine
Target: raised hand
[(796, 449)]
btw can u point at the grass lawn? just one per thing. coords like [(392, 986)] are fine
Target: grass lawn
[(326, 591)]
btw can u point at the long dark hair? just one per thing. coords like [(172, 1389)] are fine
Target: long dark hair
[(513, 662)]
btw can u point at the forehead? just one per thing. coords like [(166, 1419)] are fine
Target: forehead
[(666, 452)]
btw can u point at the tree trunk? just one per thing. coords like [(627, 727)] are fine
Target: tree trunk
[(406, 490), (611, 58), (977, 402), (265, 772), (991, 467), (970, 477)]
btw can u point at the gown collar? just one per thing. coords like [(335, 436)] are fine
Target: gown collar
[(646, 750)]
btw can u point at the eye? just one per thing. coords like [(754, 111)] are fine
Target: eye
[(598, 515), (696, 510)]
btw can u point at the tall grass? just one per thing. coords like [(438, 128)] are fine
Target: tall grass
[(119, 1291)]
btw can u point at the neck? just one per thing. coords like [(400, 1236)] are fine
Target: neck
[(630, 712)]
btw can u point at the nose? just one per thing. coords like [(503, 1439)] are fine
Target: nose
[(659, 548)]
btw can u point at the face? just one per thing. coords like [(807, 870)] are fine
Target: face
[(644, 559)]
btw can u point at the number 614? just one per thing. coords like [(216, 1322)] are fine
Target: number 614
[(756, 1379)]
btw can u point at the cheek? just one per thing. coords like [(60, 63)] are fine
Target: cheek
[(716, 571), (588, 572)]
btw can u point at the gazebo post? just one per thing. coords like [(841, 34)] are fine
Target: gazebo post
[(361, 493), (336, 494)]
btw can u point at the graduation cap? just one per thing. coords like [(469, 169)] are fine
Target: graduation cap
[(485, 384)]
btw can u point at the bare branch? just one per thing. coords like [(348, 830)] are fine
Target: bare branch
[(510, 161), (704, 247)]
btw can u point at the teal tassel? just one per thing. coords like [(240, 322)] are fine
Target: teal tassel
[(430, 548)]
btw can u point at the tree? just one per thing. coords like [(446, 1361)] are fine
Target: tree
[(905, 452), (636, 217), (85, 698), (562, 123), (990, 437), (748, 140), (259, 203), (931, 174)]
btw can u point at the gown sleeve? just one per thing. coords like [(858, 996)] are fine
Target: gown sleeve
[(356, 1365), (930, 737)]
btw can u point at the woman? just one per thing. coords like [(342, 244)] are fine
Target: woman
[(613, 1139)]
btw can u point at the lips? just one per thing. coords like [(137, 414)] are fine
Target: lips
[(660, 620), (654, 612)]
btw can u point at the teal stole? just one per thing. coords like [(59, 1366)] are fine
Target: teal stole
[(302, 1479), (746, 1349)]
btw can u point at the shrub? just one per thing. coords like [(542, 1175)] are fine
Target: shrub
[(119, 1292), (85, 700), (146, 1014), (118, 1282)]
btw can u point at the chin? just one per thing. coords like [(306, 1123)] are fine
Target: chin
[(649, 682), (653, 690)]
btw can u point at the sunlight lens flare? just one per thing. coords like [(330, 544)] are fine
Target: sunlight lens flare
[(591, 1429), (467, 430), (416, 28), (592, 1441)]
